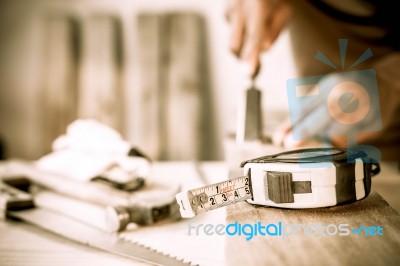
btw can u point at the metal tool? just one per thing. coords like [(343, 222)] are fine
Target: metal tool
[(249, 124), (122, 207), (145, 213), (20, 205), (307, 178), (131, 184), (94, 192)]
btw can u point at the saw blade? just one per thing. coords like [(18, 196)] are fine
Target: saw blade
[(88, 235)]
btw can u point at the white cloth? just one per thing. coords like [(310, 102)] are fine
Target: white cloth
[(89, 149)]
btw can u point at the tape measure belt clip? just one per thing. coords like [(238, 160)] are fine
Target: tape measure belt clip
[(313, 155)]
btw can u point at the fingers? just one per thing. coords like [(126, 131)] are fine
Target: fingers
[(237, 19), (278, 137), (305, 132), (256, 24), (283, 136), (339, 141), (290, 143), (276, 24), (257, 17)]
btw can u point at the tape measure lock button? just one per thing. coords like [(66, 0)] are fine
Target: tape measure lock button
[(280, 187)]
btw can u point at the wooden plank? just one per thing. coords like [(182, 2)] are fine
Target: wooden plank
[(387, 184), (175, 120), (23, 244), (101, 95), (149, 136), (182, 102), (317, 250), (59, 91)]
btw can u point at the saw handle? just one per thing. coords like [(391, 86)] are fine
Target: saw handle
[(118, 217)]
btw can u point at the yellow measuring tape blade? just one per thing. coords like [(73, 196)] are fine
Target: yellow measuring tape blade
[(200, 200)]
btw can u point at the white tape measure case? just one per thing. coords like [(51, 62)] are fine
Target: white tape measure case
[(310, 178)]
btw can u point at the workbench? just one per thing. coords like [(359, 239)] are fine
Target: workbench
[(302, 247), (23, 244)]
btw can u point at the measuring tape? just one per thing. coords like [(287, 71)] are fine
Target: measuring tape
[(307, 178)]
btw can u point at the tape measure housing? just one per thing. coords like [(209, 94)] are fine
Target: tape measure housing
[(289, 185)]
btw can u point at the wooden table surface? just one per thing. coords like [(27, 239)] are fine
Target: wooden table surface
[(23, 244), (303, 249)]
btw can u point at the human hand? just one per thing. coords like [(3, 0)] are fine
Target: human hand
[(336, 110), (256, 24)]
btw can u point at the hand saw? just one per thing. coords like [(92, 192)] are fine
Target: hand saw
[(20, 205), (122, 207), (307, 178)]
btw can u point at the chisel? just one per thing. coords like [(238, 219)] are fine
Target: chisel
[(249, 124)]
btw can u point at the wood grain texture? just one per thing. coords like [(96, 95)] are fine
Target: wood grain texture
[(148, 118), (182, 104), (317, 250), (100, 93), (22, 244), (188, 116), (59, 92), (176, 118)]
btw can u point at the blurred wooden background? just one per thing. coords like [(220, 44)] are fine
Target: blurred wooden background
[(82, 71)]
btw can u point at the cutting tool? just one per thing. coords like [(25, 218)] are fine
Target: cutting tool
[(249, 122), (18, 204)]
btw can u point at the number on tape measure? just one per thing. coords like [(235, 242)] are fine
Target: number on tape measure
[(220, 194)]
